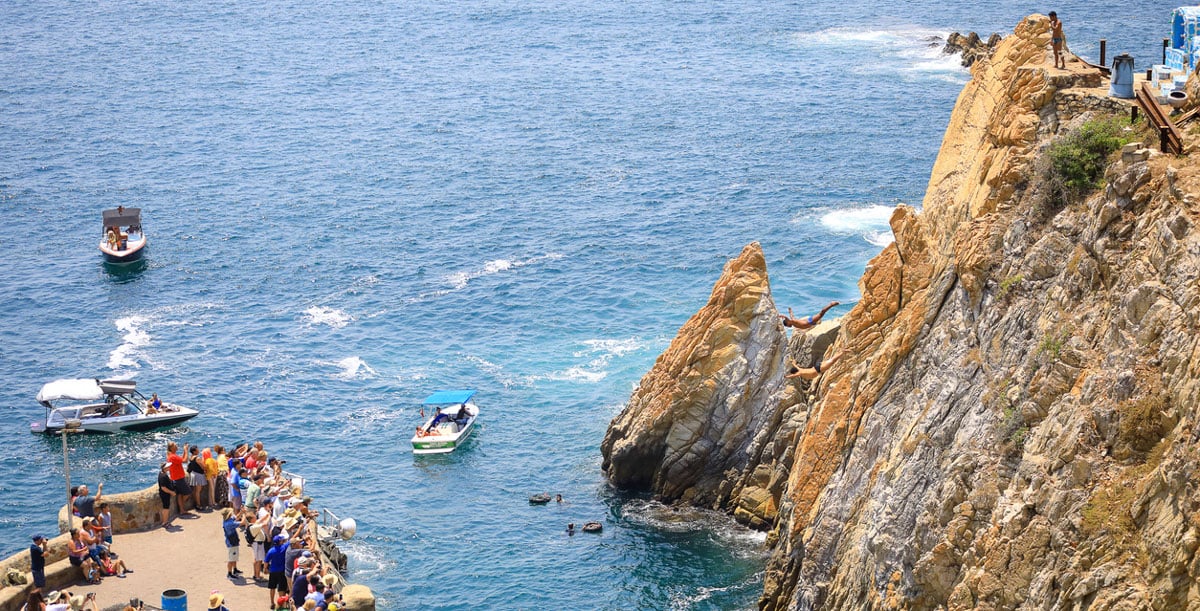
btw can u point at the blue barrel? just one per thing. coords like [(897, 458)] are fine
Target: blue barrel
[(1122, 77), (174, 600)]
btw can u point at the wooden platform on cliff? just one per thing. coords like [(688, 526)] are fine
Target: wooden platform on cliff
[(190, 557), (1170, 140)]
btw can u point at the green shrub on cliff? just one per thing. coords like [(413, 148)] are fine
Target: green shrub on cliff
[(1078, 159)]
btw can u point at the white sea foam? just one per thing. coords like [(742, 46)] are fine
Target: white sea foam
[(459, 280), (324, 315), (915, 51), (126, 355), (600, 353), (353, 368), (871, 222), (137, 333)]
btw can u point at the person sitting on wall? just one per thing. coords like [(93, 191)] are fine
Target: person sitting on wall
[(806, 323)]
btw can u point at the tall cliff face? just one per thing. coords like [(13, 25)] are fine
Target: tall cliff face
[(1014, 421)]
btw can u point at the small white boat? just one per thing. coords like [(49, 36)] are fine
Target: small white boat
[(123, 240), (451, 423), (104, 406)]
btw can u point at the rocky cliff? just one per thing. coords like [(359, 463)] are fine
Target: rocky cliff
[(1014, 420)]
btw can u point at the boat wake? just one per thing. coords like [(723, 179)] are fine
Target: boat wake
[(352, 368), (131, 354), (126, 356), (324, 315), (460, 280)]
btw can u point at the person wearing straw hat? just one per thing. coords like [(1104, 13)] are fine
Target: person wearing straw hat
[(216, 602)]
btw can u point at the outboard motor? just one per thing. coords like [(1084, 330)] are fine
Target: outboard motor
[(1122, 77)]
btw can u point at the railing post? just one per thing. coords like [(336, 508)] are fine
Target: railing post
[(1133, 114), (1103, 48), (1166, 44), (1164, 139)]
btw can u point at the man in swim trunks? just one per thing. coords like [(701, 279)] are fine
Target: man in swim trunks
[(1056, 41), (806, 323), (811, 373)]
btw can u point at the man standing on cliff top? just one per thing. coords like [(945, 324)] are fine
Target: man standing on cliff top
[(1057, 38)]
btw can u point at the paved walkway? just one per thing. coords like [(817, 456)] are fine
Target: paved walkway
[(191, 557)]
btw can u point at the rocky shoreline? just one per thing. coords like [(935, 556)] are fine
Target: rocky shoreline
[(1014, 421)]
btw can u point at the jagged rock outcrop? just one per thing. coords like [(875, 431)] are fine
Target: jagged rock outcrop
[(688, 428), (1015, 420), (970, 47)]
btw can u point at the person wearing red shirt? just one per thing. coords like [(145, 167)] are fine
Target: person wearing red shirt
[(177, 474)]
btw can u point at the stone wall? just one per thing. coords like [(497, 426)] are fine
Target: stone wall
[(131, 511)]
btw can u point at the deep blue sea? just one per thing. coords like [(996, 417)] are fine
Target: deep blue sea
[(351, 204)]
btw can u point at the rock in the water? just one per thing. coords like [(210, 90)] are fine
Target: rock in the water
[(687, 430), (357, 598), (970, 47)]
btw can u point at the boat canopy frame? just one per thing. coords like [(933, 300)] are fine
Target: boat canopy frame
[(83, 389), (123, 217), (449, 397)]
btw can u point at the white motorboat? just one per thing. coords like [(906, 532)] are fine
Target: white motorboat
[(451, 423), (123, 240), (104, 406)]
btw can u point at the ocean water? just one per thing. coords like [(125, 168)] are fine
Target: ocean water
[(351, 204)]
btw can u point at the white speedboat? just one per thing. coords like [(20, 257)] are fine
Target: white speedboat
[(451, 423), (123, 240), (104, 406)]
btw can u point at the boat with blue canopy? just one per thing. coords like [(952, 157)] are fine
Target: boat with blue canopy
[(449, 425)]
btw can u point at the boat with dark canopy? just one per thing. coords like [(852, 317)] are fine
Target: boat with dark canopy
[(123, 240)]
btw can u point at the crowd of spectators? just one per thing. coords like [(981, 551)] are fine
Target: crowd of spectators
[(261, 505)]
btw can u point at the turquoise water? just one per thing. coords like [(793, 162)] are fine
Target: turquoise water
[(352, 204)]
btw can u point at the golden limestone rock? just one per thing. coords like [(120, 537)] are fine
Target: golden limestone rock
[(693, 417), (1014, 421)]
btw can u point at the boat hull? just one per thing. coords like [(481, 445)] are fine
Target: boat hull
[(122, 424), (442, 444), (128, 255)]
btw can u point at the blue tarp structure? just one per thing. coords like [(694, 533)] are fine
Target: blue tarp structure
[(1185, 38), (445, 397)]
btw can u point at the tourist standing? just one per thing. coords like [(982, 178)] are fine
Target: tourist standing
[(178, 475), (165, 491), (104, 520), (233, 544), (196, 479), (222, 476), (37, 561), (85, 504), (210, 474), (276, 559)]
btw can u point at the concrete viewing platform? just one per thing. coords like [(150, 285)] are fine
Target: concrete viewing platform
[(188, 555)]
